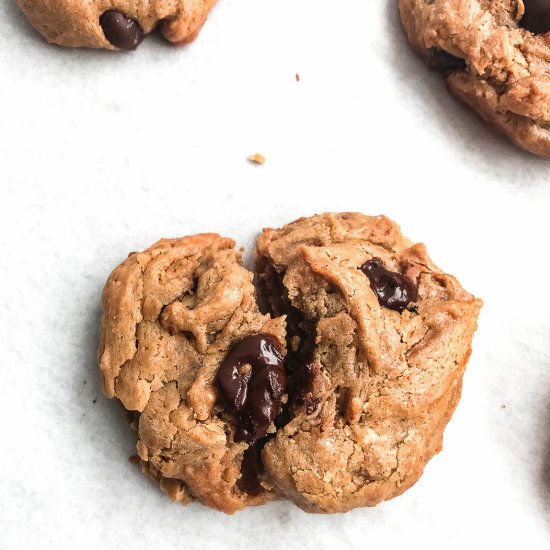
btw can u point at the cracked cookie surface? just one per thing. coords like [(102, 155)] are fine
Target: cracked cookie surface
[(171, 314), (333, 392), (381, 384), (493, 64), (119, 24)]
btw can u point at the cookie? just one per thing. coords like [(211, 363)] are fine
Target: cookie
[(496, 57), (378, 340), (173, 317), (115, 25), (329, 383)]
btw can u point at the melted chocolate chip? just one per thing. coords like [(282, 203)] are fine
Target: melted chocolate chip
[(393, 290), (121, 31), (249, 482), (537, 16), (252, 382), (442, 61), (305, 381)]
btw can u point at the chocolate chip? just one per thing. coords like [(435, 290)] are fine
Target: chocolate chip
[(442, 61), (252, 382), (249, 482), (393, 290), (537, 16), (121, 31), (305, 382)]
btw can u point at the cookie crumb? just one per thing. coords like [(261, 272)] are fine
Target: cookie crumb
[(94, 401), (297, 77), (256, 158), (503, 406), (134, 459)]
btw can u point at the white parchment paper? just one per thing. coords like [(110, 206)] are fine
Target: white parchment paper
[(104, 153)]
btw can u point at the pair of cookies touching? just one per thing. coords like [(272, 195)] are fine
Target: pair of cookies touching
[(495, 53), (325, 377)]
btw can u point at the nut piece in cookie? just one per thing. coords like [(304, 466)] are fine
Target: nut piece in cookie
[(180, 319), (115, 25), (378, 339), (496, 58)]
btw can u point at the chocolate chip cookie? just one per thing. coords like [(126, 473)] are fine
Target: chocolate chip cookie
[(378, 339), (186, 351), (496, 57), (119, 24), (329, 383)]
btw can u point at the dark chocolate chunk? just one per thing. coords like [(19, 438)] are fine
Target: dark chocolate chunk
[(393, 290), (249, 482), (252, 382), (537, 16), (442, 61), (121, 31)]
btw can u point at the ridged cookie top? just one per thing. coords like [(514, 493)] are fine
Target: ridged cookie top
[(320, 260), (171, 314), (381, 384), (506, 68)]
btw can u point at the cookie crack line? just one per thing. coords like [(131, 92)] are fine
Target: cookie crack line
[(496, 59), (335, 365)]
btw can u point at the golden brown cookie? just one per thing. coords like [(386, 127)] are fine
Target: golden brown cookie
[(171, 315), (378, 340), (115, 24), (496, 56), (334, 393)]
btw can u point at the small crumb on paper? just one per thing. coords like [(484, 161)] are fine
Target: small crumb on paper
[(134, 459), (256, 158), (297, 77)]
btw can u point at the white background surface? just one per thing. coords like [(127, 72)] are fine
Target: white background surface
[(104, 153)]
